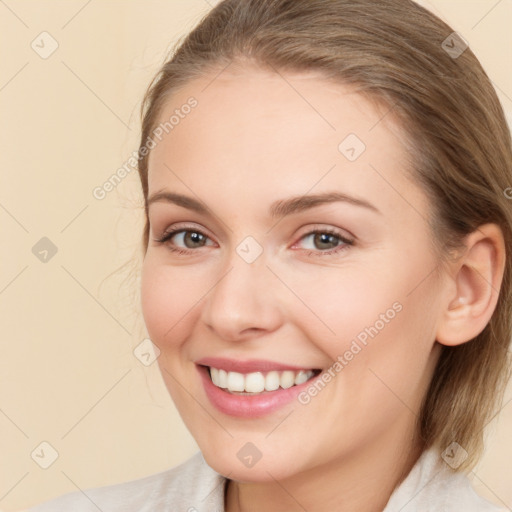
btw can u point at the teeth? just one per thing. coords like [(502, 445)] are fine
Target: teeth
[(236, 381), (254, 382), (257, 382), (287, 379), (272, 381), (301, 377), (223, 379)]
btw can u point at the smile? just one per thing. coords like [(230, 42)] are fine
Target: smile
[(258, 382), (252, 388)]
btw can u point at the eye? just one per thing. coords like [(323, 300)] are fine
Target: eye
[(191, 238), (326, 241)]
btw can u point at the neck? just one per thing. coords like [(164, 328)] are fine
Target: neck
[(363, 481)]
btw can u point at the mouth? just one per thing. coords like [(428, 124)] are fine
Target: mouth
[(258, 383), (252, 388)]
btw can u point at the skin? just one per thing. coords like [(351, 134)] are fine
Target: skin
[(253, 139)]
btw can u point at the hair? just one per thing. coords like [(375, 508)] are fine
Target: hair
[(392, 52)]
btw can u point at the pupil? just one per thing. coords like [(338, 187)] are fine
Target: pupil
[(326, 238), (195, 237)]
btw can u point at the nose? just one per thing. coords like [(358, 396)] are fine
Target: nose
[(244, 300)]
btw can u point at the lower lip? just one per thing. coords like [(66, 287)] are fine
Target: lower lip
[(250, 406)]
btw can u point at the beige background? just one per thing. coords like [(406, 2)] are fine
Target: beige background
[(68, 373)]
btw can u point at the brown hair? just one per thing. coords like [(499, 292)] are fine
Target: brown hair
[(393, 52)]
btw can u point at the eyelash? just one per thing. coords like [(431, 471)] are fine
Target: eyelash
[(346, 243)]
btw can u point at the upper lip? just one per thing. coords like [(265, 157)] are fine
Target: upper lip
[(248, 366)]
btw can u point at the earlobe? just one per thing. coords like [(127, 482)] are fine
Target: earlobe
[(477, 278)]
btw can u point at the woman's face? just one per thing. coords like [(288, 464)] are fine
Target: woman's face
[(272, 158)]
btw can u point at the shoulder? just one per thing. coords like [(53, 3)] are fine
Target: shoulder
[(432, 486), (193, 486)]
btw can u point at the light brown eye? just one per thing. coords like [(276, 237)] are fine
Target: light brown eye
[(193, 238), (320, 240), (182, 240), (323, 242)]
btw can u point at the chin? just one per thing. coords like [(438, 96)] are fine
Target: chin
[(235, 463)]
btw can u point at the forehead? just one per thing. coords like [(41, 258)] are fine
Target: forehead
[(261, 133)]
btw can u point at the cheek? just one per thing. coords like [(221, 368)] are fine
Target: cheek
[(168, 296), (387, 351), (367, 312), (333, 306)]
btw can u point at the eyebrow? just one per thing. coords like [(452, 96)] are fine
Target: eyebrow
[(280, 208)]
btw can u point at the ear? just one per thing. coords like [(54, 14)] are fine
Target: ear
[(475, 285)]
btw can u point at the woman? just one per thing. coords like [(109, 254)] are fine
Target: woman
[(325, 271)]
